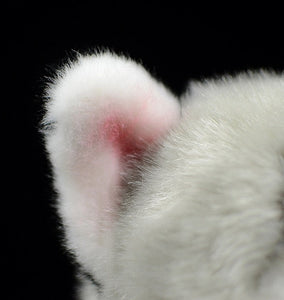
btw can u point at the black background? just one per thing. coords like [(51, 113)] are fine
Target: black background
[(175, 42)]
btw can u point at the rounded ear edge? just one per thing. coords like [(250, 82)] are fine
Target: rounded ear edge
[(103, 74)]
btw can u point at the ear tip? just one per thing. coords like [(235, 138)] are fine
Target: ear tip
[(99, 80), (92, 70), (85, 70), (89, 76)]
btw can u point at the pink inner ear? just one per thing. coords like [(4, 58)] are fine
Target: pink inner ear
[(123, 135)]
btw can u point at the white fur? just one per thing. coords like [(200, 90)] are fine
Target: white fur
[(206, 219), (87, 290)]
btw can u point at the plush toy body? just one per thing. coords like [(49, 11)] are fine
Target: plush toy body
[(162, 200)]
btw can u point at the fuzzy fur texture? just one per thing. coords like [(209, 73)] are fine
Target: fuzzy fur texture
[(166, 202)]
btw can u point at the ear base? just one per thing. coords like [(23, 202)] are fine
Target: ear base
[(104, 109)]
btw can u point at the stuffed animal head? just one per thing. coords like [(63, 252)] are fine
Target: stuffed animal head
[(167, 199)]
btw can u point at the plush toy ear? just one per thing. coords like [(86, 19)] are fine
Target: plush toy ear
[(103, 110)]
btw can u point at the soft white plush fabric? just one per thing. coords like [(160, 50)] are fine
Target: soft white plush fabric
[(167, 199)]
